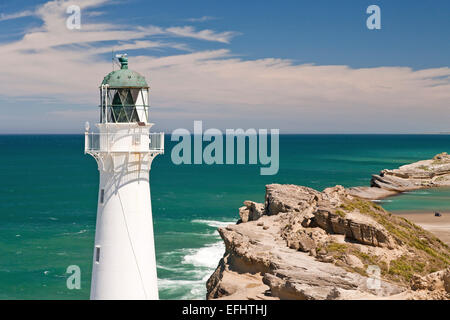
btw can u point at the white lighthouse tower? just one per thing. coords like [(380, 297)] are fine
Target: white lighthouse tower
[(124, 264)]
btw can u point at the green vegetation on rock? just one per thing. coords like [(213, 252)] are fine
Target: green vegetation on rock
[(426, 253), (340, 213)]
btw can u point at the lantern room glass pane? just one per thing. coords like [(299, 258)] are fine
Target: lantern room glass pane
[(126, 105)]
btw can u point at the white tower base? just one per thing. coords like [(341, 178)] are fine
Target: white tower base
[(124, 263)]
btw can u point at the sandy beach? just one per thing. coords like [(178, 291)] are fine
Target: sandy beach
[(440, 226)]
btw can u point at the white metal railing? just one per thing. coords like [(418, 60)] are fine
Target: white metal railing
[(132, 142), (157, 141)]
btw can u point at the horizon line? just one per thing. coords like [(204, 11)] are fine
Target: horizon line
[(281, 134)]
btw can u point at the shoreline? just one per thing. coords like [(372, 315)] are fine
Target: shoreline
[(439, 226)]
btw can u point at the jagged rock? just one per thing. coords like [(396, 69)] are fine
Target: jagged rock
[(319, 282), (353, 261), (301, 241), (334, 195), (446, 279), (218, 287), (244, 213), (439, 280), (284, 198), (442, 156), (251, 211), (354, 226), (318, 246)]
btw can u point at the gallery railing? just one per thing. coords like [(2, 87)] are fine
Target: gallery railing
[(117, 142)]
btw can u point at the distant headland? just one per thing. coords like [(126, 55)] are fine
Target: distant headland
[(418, 175)]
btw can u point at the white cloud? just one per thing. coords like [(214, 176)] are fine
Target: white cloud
[(216, 85), (22, 14), (209, 35), (201, 19)]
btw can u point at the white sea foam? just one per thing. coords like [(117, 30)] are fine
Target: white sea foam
[(195, 289), (73, 233), (180, 270), (213, 223), (417, 192), (197, 265), (207, 256), (167, 268), (175, 284), (190, 234)]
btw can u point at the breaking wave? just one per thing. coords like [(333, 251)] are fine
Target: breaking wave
[(214, 223), (193, 266)]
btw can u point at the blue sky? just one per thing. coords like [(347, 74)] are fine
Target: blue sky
[(301, 66)]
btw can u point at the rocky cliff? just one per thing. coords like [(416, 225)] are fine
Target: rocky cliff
[(306, 244)]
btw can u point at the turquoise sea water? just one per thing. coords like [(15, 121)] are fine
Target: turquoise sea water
[(48, 199)]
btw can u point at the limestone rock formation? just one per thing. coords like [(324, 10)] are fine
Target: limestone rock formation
[(422, 174), (251, 211), (306, 244)]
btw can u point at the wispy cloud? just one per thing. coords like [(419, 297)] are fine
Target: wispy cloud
[(17, 15), (201, 19), (95, 13), (209, 35)]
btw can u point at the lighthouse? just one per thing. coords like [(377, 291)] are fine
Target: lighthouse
[(124, 263)]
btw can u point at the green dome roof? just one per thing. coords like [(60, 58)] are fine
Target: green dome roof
[(124, 77)]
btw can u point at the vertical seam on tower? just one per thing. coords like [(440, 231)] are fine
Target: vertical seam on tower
[(131, 243)]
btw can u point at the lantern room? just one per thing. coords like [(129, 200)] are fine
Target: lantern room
[(124, 96)]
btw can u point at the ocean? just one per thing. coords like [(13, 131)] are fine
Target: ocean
[(48, 203)]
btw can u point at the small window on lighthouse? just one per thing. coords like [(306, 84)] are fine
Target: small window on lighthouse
[(97, 254), (137, 138), (102, 195)]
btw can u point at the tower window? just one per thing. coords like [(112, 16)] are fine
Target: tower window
[(137, 139), (97, 254), (102, 195)]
